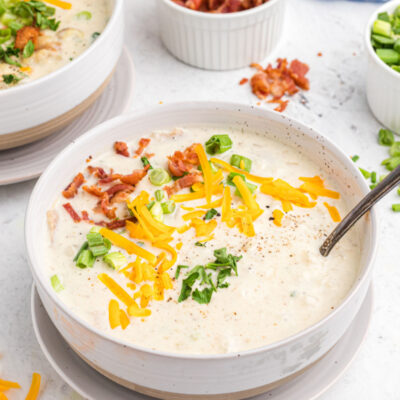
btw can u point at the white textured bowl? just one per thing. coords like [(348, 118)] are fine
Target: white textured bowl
[(383, 83), (221, 41), (31, 111), (198, 376)]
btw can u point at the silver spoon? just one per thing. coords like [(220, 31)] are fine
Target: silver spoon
[(360, 209)]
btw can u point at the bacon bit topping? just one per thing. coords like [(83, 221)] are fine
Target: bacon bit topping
[(93, 190), (70, 210), (243, 81), (85, 216), (98, 172), (319, 54), (143, 143), (219, 6), (105, 206), (181, 162), (149, 155), (119, 188), (276, 82), (24, 35), (184, 182), (72, 189), (135, 177), (121, 148)]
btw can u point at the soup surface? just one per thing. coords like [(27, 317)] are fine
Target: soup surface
[(221, 258), (37, 38)]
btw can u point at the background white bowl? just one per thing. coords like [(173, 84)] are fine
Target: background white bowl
[(34, 110), (210, 377), (383, 83), (221, 41)]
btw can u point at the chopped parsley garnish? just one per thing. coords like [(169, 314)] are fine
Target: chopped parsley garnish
[(178, 270), (95, 35), (210, 214), (10, 79), (28, 49), (355, 158), (223, 266)]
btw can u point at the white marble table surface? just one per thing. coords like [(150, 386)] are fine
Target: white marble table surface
[(335, 105)]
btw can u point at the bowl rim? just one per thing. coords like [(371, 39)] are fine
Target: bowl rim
[(386, 7), (215, 105), (117, 10), (225, 16)]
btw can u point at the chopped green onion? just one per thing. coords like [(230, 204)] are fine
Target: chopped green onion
[(210, 214), (159, 176), (159, 195), (146, 162), (84, 15), (252, 187), (388, 56), (385, 137), (10, 79), (200, 244), (157, 212), (396, 68), (86, 259), (229, 179), (373, 177), (373, 186), (151, 204), (398, 191), (95, 228), (396, 45), (395, 149), (218, 144), (99, 251), (28, 49), (382, 40), (178, 270), (168, 207), (95, 35), (382, 28), (241, 161), (355, 158), (391, 163), (5, 35), (384, 16), (94, 239), (56, 284), (115, 260), (213, 167), (83, 247), (365, 173), (396, 207)]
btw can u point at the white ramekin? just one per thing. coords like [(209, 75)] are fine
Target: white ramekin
[(50, 100), (208, 377), (221, 41), (383, 83)]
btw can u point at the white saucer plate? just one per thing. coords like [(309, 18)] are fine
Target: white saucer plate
[(94, 386), (29, 161)]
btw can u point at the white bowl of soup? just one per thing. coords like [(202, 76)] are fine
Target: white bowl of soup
[(56, 58), (178, 252)]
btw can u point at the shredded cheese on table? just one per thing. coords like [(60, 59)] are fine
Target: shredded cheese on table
[(35, 387)]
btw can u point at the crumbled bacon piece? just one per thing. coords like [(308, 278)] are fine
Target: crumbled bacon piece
[(118, 223), (26, 34), (149, 155), (108, 211), (85, 215), (98, 172), (121, 148), (143, 143), (135, 177), (93, 190), (220, 6), (181, 162), (184, 182), (243, 81), (70, 210), (276, 82), (72, 189)]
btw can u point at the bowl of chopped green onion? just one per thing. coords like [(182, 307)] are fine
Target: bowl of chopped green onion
[(383, 79)]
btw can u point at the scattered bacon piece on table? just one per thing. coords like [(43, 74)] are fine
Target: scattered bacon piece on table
[(277, 82), (72, 189), (70, 210), (219, 6), (183, 162), (243, 81), (143, 143), (121, 148)]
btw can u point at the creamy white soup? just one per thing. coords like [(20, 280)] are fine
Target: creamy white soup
[(192, 252), (37, 38)]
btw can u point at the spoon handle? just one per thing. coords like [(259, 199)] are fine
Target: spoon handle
[(360, 209)]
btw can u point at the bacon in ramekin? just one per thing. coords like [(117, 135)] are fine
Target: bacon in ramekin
[(72, 189)]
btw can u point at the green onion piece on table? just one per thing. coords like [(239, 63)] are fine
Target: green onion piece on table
[(218, 144), (396, 207), (365, 173), (385, 137), (355, 158), (395, 149)]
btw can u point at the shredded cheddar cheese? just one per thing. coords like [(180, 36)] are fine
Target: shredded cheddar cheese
[(35, 387), (59, 3), (207, 173), (9, 385), (114, 314), (278, 215), (333, 212), (116, 289), (193, 214), (124, 320)]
